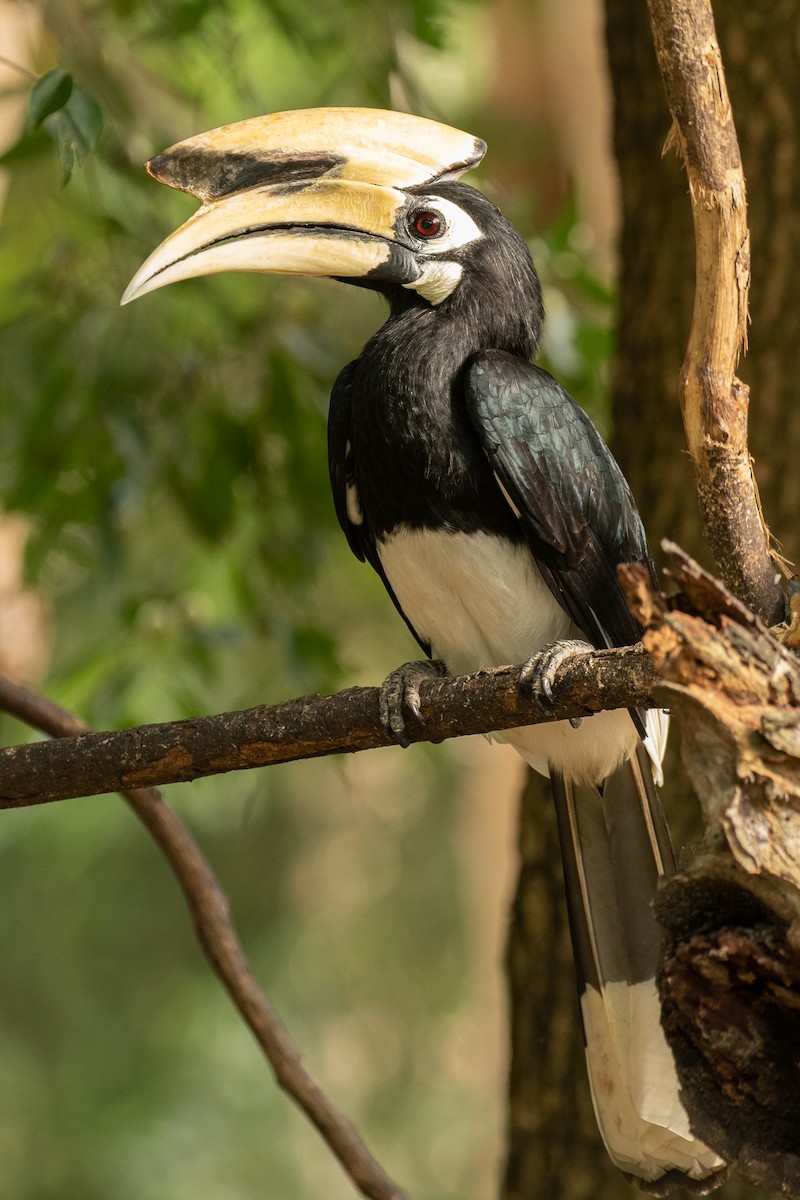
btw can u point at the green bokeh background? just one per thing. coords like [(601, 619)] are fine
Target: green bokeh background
[(169, 460)]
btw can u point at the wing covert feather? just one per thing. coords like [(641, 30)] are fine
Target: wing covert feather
[(575, 506)]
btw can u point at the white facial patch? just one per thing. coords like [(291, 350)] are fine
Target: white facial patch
[(438, 278), (437, 281), (458, 230)]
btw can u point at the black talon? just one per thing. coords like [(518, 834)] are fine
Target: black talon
[(537, 675), (401, 688)]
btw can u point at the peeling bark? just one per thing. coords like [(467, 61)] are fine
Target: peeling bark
[(713, 401), (730, 981)]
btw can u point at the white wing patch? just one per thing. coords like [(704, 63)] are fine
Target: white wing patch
[(355, 514), (508, 499)]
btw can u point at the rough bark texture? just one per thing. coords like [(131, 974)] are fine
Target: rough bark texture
[(762, 57), (657, 262), (713, 400), (216, 933), (308, 727), (762, 60), (730, 981), (656, 287)]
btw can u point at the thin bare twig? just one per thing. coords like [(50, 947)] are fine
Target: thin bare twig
[(310, 727), (15, 66), (211, 917), (714, 402)]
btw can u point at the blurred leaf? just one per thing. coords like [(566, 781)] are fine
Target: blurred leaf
[(170, 459), (59, 128), (48, 95), (429, 22), (87, 121), (76, 128)]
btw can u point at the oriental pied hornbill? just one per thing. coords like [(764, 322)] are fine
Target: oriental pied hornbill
[(488, 504)]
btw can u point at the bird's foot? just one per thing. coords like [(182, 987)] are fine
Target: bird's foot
[(401, 688), (538, 674)]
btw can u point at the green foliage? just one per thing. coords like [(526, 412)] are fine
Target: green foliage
[(577, 342), (69, 115), (171, 460), (50, 93)]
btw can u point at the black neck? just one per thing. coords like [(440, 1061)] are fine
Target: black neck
[(417, 457)]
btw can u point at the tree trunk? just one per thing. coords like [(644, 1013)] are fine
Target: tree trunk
[(554, 1148), (762, 59), (760, 53)]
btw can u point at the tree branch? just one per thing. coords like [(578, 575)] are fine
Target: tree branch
[(217, 935), (309, 727), (713, 401), (730, 981)]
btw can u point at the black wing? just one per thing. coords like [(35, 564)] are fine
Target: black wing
[(342, 474), (575, 507)]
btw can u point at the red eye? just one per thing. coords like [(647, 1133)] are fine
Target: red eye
[(428, 224)]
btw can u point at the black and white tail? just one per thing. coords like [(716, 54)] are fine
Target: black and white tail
[(614, 846)]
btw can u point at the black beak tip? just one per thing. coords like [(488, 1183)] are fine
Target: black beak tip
[(185, 170), (154, 165), (172, 169)]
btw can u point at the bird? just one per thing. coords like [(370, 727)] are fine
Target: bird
[(490, 507)]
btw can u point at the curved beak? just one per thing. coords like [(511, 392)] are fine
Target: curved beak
[(324, 228), (313, 192)]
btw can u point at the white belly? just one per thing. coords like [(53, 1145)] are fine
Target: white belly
[(480, 601)]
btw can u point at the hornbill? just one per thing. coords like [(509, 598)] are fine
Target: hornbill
[(488, 504)]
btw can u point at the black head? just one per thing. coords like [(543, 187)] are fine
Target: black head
[(473, 267), (364, 196)]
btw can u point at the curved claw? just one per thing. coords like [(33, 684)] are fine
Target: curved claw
[(538, 674), (400, 689)]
